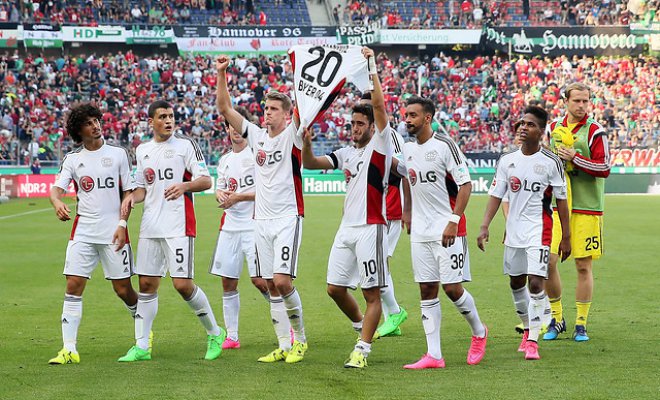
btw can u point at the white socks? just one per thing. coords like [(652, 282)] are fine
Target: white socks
[(388, 301), (231, 305), (536, 306), (281, 323), (147, 308), (521, 302), (431, 316), (200, 305), (71, 315), (468, 309), (295, 313), (363, 347)]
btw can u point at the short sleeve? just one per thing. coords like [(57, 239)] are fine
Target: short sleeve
[(251, 132), (558, 182), (139, 171), (195, 161), (127, 181), (65, 175), (499, 186), (456, 164), (221, 183), (336, 158)]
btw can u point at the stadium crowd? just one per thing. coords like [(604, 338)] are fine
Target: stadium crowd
[(411, 14), (477, 99), (427, 14)]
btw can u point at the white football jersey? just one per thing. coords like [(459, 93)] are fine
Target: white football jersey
[(435, 170), (159, 166), (236, 174), (320, 72), (529, 182), (99, 178), (278, 171), (394, 195), (366, 171)]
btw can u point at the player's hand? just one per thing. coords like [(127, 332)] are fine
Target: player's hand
[(175, 191), (406, 221), (119, 238), (221, 196), (566, 153), (222, 63), (367, 52), (62, 211), (127, 204), (482, 239), (230, 200), (449, 235), (565, 248), (307, 137)]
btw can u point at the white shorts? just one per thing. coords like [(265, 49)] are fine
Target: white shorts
[(156, 257), (82, 258), (434, 263), (393, 234), (359, 256), (230, 250), (278, 242), (526, 261)]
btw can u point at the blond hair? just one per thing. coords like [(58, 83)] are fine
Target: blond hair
[(579, 86), (281, 97)]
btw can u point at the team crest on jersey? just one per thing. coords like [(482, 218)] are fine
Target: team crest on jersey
[(412, 176), (260, 158), (347, 175), (539, 169), (515, 184), (149, 175), (86, 183), (169, 153), (106, 162), (232, 185), (431, 155)]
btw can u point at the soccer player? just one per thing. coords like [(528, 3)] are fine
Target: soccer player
[(440, 188), (359, 251), (170, 168), (101, 176), (235, 193), (529, 177), (393, 314), (582, 143), (278, 210)]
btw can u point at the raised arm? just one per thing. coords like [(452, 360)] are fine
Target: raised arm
[(310, 161), (377, 98), (223, 99)]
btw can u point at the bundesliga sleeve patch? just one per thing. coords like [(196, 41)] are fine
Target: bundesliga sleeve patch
[(320, 72)]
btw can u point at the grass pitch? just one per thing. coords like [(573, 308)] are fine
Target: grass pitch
[(620, 361)]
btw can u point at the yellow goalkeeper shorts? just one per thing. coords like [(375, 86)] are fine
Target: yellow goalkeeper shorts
[(586, 235)]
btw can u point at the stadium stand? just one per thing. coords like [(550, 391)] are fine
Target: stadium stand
[(478, 99)]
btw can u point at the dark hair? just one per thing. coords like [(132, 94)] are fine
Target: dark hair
[(540, 114), (426, 104), (156, 105), (366, 96), (365, 109), (79, 116)]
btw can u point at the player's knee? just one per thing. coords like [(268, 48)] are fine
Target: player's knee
[(283, 286), (335, 291), (535, 285), (260, 284), (583, 266), (122, 289), (453, 291), (185, 287), (517, 282), (428, 291)]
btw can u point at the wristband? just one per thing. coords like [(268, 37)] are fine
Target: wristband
[(372, 66), (454, 218), (122, 223)]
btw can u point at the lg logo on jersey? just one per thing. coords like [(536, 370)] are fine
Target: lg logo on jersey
[(150, 175), (429, 177), (234, 184), (269, 159), (516, 185), (87, 183)]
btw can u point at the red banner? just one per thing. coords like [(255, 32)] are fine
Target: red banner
[(29, 185), (635, 158)]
